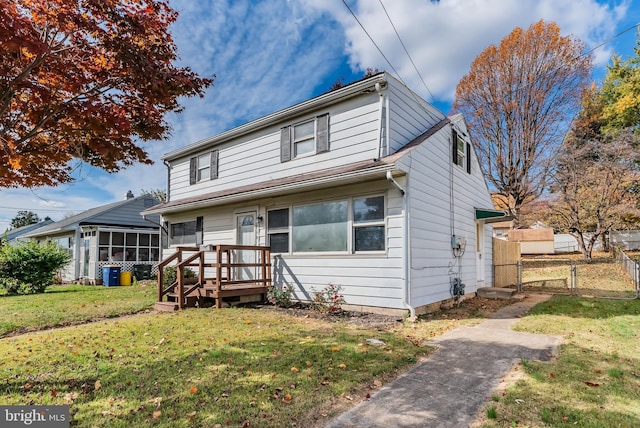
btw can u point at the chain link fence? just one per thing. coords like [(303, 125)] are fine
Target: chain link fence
[(613, 278)]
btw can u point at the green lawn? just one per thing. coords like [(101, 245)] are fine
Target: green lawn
[(198, 367), (71, 304), (595, 382), (265, 368)]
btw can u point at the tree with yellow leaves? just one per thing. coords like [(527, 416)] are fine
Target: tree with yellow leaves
[(519, 98)]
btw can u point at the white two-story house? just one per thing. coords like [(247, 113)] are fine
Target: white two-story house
[(368, 187)]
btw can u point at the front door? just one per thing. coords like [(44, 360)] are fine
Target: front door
[(480, 263), (245, 235)]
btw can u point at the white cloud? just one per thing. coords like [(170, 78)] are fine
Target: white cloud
[(271, 54), (444, 37)]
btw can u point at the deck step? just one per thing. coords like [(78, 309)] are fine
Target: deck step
[(497, 293), (166, 306)]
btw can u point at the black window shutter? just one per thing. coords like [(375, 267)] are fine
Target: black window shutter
[(213, 170), (285, 144), (454, 145), (322, 133), (199, 230), (468, 158), (193, 170)]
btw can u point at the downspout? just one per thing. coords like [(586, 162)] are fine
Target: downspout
[(164, 161), (405, 265)]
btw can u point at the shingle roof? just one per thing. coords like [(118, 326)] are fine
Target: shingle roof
[(89, 216)]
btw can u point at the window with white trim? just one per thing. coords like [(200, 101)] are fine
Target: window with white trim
[(320, 227), (368, 224), (129, 246), (310, 136), (461, 152), (352, 225), (65, 243), (203, 167), (187, 232), (278, 230), (304, 141), (458, 149)]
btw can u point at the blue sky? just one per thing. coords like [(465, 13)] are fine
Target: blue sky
[(271, 54)]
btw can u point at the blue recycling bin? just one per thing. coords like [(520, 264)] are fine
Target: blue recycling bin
[(111, 276)]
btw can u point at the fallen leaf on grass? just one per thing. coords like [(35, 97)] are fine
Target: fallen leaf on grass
[(157, 401), (593, 384), (294, 370), (191, 416), (193, 389), (97, 385), (377, 383), (286, 399), (342, 366), (156, 414), (70, 397)]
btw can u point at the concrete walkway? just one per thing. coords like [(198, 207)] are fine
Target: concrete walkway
[(451, 387)]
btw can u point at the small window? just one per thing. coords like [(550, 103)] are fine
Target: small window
[(368, 224), (304, 138), (278, 230), (204, 165), (188, 232), (309, 137), (459, 150), (183, 233)]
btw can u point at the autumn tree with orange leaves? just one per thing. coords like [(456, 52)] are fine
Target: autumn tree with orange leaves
[(519, 98), (84, 80)]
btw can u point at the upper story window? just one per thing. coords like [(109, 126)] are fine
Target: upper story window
[(203, 167), (304, 138), (461, 152)]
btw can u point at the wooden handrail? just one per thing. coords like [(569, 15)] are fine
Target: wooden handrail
[(223, 260)]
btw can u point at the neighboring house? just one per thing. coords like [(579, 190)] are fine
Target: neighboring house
[(113, 234), (533, 241), (14, 236), (367, 187)]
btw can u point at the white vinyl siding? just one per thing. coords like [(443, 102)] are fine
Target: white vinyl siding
[(369, 278), (254, 158), (409, 115), (435, 215)]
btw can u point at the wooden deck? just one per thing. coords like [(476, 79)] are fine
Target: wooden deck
[(221, 272)]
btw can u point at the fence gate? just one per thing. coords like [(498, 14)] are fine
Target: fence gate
[(506, 266)]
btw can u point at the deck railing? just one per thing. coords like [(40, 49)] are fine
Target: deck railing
[(235, 270)]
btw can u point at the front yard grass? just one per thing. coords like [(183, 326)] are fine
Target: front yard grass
[(595, 382), (198, 367), (62, 305)]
